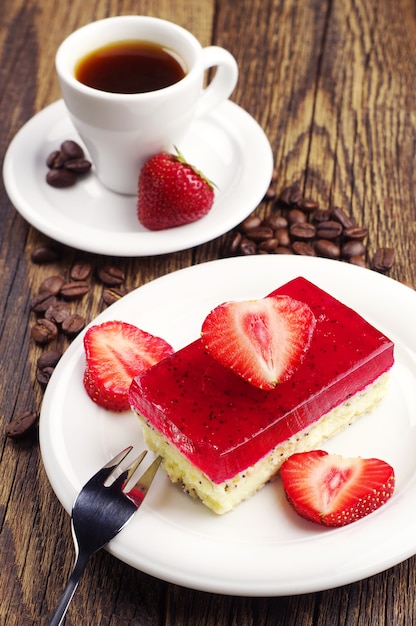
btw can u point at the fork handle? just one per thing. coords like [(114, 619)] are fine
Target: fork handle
[(68, 593)]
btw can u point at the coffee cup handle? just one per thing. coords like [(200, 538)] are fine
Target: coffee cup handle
[(222, 84)]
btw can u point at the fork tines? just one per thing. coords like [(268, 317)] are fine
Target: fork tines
[(140, 488)]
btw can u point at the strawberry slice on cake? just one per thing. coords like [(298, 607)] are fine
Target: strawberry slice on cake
[(263, 341)]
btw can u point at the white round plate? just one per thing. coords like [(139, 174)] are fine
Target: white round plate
[(228, 146), (262, 548)]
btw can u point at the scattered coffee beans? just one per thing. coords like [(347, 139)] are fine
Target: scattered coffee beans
[(54, 300), (50, 358), (111, 276), (66, 165), (73, 324), (42, 302), (46, 364), (80, 270), (298, 225), (75, 289), (58, 312), (22, 425), (51, 285), (383, 260), (61, 178), (112, 295), (45, 254), (44, 331)]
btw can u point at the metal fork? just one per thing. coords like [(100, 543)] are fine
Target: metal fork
[(100, 511)]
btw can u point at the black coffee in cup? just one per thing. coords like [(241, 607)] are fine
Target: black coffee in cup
[(130, 67)]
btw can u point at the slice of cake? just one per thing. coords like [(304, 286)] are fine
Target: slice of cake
[(223, 438)]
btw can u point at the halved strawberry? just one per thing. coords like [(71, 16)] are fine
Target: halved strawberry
[(115, 353), (334, 491), (263, 341)]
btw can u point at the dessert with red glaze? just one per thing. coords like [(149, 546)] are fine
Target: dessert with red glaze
[(224, 438)]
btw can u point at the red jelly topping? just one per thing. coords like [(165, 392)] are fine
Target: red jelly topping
[(223, 425)]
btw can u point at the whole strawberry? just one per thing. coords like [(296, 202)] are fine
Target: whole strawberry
[(172, 192)]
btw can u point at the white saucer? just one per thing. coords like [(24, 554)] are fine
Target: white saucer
[(228, 146)]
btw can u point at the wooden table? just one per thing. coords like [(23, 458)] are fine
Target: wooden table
[(332, 84)]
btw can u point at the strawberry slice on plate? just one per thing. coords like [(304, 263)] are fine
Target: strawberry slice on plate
[(334, 491), (263, 341), (115, 353)]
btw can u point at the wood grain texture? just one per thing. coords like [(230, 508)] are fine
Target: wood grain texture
[(332, 82)]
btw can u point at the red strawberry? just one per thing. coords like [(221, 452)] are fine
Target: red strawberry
[(172, 192), (115, 353), (263, 341), (334, 491)]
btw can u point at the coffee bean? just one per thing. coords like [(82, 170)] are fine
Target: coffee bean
[(383, 260), (22, 425), (249, 223), (268, 245), (58, 312), (72, 150), (111, 295), (74, 290), (290, 195), (78, 166), (234, 243), (61, 178), (51, 285), (260, 233), (303, 248), (328, 249), (329, 229), (42, 302), (355, 232), (43, 376), (73, 324), (283, 237), (45, 254), (50, 358), (352, 248), (247, 247), (340, 216), (302, 231), (110, 275), (296, 216), (275, 221), (56, 159), (44, 331), (308, 205), (80, 270), (321, 215)]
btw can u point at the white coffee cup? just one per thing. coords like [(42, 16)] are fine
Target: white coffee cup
[(121, 131)]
